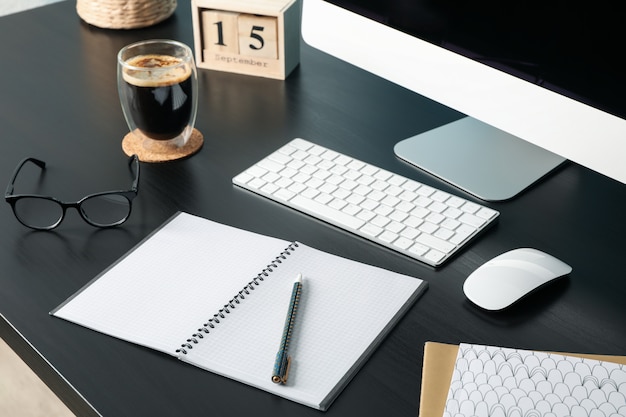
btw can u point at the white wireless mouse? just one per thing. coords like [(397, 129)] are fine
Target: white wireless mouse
[(506, 278)]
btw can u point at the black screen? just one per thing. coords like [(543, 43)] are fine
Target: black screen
[(572, 48)]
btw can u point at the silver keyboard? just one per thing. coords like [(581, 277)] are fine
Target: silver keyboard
[(414, 219)]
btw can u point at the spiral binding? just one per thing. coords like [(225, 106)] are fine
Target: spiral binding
[(237, 299)]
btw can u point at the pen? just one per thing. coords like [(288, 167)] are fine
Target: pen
[(283, 360)]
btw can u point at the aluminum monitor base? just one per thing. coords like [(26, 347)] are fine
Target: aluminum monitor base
[(478, 158)]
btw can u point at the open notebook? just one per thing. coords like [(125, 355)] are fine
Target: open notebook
[(217, 297)]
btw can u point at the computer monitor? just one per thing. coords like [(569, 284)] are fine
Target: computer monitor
[(536, 77)]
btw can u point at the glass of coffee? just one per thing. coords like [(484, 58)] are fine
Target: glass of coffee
[(158, 89)]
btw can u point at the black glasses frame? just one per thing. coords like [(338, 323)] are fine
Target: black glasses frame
[(12, 199)]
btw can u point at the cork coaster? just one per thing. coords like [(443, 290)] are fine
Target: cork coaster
[(133, 145)]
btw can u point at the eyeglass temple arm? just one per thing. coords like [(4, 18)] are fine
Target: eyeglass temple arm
[(134, 161), (41, 164)]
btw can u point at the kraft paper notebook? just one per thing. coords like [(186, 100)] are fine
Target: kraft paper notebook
[(439, 364), (217, 297)]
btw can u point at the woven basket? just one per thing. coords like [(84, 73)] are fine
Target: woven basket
[(124, 14)]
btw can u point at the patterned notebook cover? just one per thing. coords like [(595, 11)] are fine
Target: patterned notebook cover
[(496, 381), (438, 367)]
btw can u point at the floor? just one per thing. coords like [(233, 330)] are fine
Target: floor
[(22, 393)]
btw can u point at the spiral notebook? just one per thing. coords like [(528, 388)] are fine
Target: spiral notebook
[(216, 297)]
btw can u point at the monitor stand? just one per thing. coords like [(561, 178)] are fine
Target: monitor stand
[(478, 158)]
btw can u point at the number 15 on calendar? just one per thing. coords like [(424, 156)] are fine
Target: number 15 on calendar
[(250, 37)]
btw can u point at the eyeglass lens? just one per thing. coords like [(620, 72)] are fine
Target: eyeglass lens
[(38, 212), (105, 209)]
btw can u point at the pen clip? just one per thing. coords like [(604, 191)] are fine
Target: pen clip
[(284, 378)]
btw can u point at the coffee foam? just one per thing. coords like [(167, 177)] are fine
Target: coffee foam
[(155, 70)]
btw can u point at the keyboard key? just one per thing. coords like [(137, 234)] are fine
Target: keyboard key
[(486, 213), (326, 213), (351, 209), (269, 188), (281, 158), (284, 194), (434, 242), (380, 221), (410, 233), (301, 144), (256, 183), (387, 236), (443, 233), (471, 220), (401, 214), (270, 165), (366, 215), (418, 249), (371, 230), (243, 178), (434, 256)]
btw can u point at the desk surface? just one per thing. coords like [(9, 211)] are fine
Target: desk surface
[(58, 102)]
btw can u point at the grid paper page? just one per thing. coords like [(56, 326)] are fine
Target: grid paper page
[(161, 291), (345, 309)]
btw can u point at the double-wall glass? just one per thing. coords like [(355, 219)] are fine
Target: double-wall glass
[(158, 89)]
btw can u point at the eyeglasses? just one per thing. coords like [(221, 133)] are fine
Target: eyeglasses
[(105, 209)]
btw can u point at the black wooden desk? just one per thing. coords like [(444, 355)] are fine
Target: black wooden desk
[(59, 102)]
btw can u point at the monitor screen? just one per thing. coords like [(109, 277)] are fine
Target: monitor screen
[(570, 48), (547, 73)]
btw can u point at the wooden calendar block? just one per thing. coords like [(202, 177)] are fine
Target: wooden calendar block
[(257, 36), (266, 36), (219, 30)]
